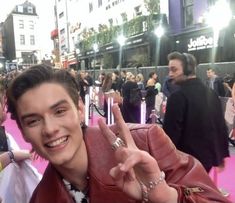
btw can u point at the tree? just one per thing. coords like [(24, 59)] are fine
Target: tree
[(153, 7)]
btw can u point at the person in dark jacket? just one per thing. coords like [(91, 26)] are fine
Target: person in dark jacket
[(194, 119), (130, 112), (215, 82), (151, 93)]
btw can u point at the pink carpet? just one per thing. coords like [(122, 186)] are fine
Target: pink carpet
[(225, 179)]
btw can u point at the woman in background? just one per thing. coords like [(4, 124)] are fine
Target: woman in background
[(130, 112)]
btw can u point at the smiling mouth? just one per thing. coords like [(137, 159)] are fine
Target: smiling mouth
[(58, 142)]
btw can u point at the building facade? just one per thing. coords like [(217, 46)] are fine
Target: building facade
[(21, 35), (88, 32), (80, 24), (193, 31)]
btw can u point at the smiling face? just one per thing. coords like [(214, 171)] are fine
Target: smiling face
[(50, 121)]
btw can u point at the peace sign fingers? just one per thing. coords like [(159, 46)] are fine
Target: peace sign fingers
[(124, 132)]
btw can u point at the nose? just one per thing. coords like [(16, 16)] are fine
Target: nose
[(170, 74), (50, 127)]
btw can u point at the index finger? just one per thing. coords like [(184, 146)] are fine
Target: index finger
[(123, 129), (109, 135)]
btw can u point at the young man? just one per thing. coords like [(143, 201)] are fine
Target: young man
[(194, 119), (119, 164), (215, 82)]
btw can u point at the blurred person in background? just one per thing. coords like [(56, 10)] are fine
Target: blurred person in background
[(101, 78), (140, 81), (83, 84), (194, 118), (109, 89), (215, 82), (151, 93), (130, 111), (229, 80), (118, 80)]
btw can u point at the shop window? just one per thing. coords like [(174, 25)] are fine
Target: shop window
[(22, 39), (188, 13)]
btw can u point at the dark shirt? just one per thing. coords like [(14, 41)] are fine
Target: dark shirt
[(130, 112), (217, 84)]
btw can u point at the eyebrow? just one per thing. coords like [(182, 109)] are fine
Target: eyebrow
[(51, 107)]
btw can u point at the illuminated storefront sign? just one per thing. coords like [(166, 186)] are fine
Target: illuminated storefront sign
[(202, 42)]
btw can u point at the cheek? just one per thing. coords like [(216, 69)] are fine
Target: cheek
[(72, 122), (27, 134), (179, 73)]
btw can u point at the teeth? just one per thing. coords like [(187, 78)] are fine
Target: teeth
[(57, 142)]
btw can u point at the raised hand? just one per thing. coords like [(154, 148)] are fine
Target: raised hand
[(134, 166)]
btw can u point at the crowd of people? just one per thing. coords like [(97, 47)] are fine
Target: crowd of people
[(123, 162)]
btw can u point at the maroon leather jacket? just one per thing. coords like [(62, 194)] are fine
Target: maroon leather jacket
[(183, 172)]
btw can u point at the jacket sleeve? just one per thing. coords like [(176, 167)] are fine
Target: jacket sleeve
[(183, 172)]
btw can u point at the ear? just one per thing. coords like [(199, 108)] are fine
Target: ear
[(81, 110)]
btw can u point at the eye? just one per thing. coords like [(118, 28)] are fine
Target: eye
[(31, 122), (173, 69), (60, 111)]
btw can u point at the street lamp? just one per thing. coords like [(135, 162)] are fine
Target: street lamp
[(218, 18), (159, 32), (77, 52), (121, 40), (218, 22), (96, 49), (1, 66)]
